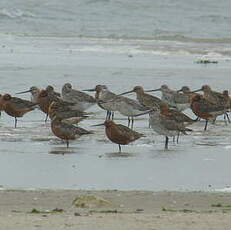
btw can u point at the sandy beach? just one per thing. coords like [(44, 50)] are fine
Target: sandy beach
[(130, 210)]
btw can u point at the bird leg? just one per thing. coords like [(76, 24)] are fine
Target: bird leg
[(46, 117), (178, 136), (107, 115), (225, 118), (15, 122), (67, 143), (119, 148), (166, 142), (112, 115), (227, 115), (214, 120), (132, 122), (206, 123), (129, 120)]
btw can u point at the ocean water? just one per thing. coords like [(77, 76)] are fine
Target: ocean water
[(199, 26), (120, 44)]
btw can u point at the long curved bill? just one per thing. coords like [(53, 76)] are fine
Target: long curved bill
[(153, 90), (89, 90), (131, 91), (27, 91), (101, 124), (198, 90)]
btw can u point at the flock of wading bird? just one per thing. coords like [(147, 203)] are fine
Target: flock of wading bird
[(166, 118)]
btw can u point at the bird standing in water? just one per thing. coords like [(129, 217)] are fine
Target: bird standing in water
[(67, 131), (16, 107), (205, 109), (120, 134), (102, 95), (45, 99), (82, 100)]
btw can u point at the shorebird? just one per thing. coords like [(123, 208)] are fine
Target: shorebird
[(166, 124), (212, 96), (205, 109), (120, 134), (50, 90), (125, 106), (128, 107), (173, 98), (186, 91), (45, 99), (67, 131), (177, 116), (103, 94), (143, 98), (64, 112), (16, 107), (82, 100), (216, 98), (34, 93)]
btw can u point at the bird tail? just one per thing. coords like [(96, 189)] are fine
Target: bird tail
[(82, 131)]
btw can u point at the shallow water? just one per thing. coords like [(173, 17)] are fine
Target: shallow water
[(31, 157)]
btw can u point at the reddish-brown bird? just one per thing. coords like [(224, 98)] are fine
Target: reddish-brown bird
[(16, 107), (45, 99), (178, 116), (67, 131), (205, 109), (120, 134)]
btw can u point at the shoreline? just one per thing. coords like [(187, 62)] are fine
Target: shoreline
[(55, 209)]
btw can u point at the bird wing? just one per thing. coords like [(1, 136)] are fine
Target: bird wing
[(82, 97), (135, 104), (171, 124), (125, 132), (207, 107), (150, 101), (181, 98), (68, 128), (21, 104), (181, 117)]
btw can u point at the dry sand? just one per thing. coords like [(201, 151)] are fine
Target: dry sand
[(126, 210)]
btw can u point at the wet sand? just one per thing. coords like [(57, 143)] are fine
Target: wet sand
[(127, 210)]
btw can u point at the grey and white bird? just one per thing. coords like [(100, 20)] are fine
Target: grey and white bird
[(173, 98), (102, 95), (34, 93), (82, 100)]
